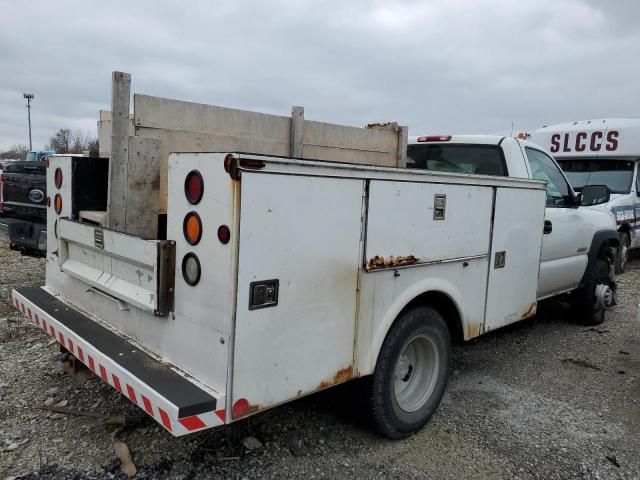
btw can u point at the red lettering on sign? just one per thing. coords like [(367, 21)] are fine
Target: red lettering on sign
[(580, 138), (555, 143), (595, 144), (612, 141), (565, 147)]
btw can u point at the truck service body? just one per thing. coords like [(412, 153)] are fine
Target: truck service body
[(603, 151), (278, 277)]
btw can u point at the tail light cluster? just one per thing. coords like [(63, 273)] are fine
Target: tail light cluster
[(57, 180), (192, 228)]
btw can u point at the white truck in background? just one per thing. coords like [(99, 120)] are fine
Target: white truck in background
[(278, 276), (607, 152)]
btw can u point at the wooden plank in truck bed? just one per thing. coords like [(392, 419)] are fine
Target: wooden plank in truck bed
[(192, 127)]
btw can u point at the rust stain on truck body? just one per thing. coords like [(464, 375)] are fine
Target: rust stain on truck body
[(341, 376), (391, 261)]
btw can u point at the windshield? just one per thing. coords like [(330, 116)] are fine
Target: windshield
[(478, 159), (615, 174)]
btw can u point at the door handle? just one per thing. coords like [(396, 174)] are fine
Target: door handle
[(548, 227)]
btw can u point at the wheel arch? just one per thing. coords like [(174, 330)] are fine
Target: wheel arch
[(444, 297), (604, 245)]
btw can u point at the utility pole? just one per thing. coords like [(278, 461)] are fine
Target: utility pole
[(29, 97)]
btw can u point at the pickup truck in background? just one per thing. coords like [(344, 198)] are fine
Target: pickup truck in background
[(23, 206), (603, 151)]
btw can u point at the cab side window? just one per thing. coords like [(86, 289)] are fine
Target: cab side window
[(544, 168)]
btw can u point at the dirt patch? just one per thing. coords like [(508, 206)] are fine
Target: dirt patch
[(515, 408)]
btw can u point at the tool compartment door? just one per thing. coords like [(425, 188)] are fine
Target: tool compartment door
[(515, 256), (305, 233), (432, 222)]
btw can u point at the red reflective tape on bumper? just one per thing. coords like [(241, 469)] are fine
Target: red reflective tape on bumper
[(147, 405), (53, 332), (165, 419), (71, 347), (132, 394), (192, 423), (61, 337), (80, 354), (29, 310), (37, 320), (103, 374), (221, 415), (92, 365), (116, 382)]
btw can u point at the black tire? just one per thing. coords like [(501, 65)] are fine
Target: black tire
[(583, 300), (623, 253), (427, 328)]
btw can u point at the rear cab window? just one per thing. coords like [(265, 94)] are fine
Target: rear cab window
[(457, 158)]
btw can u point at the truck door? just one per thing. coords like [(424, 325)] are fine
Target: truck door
[(297, 278), (566, 241)]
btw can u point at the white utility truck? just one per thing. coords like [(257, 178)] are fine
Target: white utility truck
[(606, 152), (276, 277)]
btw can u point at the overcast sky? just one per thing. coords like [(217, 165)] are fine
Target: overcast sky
[(438, 67)]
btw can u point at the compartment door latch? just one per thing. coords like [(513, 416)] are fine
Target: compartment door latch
[(263, 294)]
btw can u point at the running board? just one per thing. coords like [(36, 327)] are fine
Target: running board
[(176, 403)]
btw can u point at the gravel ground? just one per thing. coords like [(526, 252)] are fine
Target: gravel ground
[(542, 399)]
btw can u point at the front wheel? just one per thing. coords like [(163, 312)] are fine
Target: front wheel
[(590, 302), (623, 253), (411, 373)]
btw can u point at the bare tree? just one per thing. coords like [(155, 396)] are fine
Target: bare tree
[(66, 141), (16, 152), (61, 141)]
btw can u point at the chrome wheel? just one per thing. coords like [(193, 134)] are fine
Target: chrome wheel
[(416, 373)]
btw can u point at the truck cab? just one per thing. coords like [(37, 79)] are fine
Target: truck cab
[(603, 152), (38, 155), (573, 234)]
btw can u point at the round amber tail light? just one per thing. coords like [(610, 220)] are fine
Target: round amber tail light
[(57, 203), (192, 228)]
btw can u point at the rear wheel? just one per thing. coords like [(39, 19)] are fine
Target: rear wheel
[(411, 373), (623, 253), (589, 303)]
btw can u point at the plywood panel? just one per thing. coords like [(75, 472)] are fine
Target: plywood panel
[(143, 187)]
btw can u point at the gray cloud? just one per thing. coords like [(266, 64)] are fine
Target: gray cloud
[(455, 66)]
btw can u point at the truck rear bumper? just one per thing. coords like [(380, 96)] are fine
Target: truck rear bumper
[(24, 235), (176, 403)]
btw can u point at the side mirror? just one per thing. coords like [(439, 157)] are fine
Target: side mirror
[(594, 195)]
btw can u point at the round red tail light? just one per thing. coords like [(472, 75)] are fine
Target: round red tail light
[(191, 269), (58, 177), (57, 203), (192, 228), (194, 187), (224, 234)]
